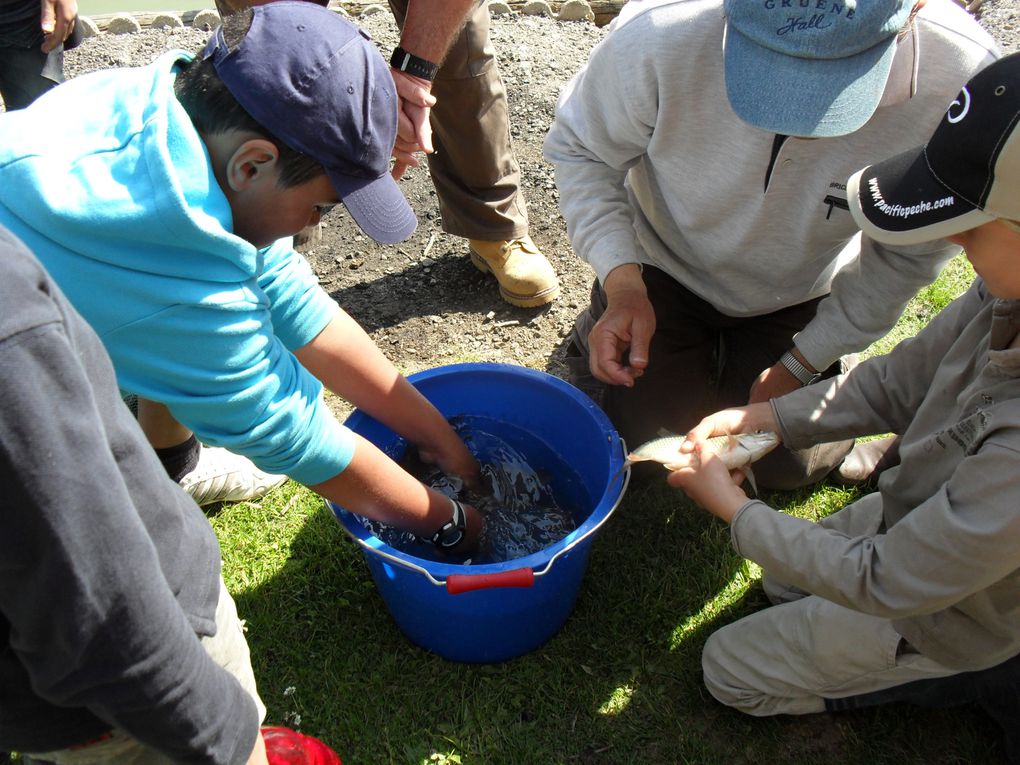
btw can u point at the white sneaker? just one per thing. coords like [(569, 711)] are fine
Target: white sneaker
[(222, 476)]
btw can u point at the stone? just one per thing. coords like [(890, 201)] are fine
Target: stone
[(537, 8), (499, 8), (576, 10), (123, 24), (166, 21), (206, 19), (88, 27), (371, 10)]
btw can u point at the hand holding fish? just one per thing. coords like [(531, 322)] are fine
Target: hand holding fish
[(710, 483), (626, 326), (719, 451), (753, 418)]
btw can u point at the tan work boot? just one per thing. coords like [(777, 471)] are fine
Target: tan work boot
[(526, 279)]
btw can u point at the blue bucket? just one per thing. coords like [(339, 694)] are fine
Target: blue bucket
[(497, 611)]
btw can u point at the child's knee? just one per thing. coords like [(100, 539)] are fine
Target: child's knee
[(721, 663)]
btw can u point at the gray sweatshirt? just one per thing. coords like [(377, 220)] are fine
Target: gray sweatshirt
[(109, 572), (654, 167), (942, 559)]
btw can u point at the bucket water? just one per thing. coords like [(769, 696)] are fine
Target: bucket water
[(496, 611)]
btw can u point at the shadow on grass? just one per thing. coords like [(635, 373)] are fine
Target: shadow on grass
[(619, 683)]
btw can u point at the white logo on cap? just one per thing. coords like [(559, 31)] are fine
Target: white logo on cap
[(953, 119)]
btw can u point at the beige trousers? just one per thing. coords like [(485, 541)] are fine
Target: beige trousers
[(789, 658), (227, 647), (476, 176)]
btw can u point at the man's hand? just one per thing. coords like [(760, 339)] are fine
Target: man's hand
[(57, 21), (627, 325), (414, 133), (774, 382)]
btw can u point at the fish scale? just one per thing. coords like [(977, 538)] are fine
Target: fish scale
[(735, 451)]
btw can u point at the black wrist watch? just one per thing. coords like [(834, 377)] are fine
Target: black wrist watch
[(804, 375), (403, 61), (451, 533)]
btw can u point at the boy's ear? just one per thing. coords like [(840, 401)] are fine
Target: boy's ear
[(254, 160)]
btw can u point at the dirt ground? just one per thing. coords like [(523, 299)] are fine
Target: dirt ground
[(423, 301)]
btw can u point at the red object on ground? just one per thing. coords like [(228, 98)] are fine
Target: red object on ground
[(288, 747)]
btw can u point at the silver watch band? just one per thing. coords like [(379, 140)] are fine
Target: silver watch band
[(797, 369)]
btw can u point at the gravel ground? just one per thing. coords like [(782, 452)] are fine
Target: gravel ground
[(423, 301)]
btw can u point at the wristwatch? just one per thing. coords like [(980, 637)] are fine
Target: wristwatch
[(451, 533), (797, 369), (403, 61)]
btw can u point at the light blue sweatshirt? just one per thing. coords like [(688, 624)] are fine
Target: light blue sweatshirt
[(110, 185)]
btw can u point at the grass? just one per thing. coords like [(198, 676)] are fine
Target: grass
[(954, 280), (619, 683)]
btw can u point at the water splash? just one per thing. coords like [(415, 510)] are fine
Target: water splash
[(526, 509)]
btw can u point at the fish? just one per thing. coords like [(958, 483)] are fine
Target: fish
[(736, 452)]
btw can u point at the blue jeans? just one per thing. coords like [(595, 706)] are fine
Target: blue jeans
[(27, 73)]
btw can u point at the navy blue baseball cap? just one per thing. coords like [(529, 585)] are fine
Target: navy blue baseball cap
[(810, 68), (965, 176), (315, 81)]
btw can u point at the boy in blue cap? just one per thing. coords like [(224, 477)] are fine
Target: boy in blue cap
[(911, 593), (165, 214)]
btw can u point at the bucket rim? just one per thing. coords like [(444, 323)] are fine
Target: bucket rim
[(602, 509)]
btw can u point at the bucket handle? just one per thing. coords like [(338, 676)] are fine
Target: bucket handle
[(520, 577)]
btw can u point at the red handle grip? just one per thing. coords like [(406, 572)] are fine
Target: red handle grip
[(519, 577)]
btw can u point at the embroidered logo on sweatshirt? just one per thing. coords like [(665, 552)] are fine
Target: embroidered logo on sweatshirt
[(832, 200)]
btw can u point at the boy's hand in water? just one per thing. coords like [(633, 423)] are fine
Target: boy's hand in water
[(472, 531), (453, 458), (445, 535)]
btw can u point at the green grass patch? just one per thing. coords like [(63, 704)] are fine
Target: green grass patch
[(952, 282)]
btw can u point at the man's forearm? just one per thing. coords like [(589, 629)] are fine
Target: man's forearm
[(431, 25)]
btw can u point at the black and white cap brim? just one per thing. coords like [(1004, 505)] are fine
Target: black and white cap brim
[(900, 201)]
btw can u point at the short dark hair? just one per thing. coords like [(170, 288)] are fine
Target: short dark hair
[(213, 108)]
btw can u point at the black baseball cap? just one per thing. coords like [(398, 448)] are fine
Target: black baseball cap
[(966, 175)]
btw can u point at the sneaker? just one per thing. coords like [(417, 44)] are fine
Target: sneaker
[(526, 279), (288, 747), (222, 476)]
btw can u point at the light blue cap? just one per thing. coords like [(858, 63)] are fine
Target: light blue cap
[(812, 68)]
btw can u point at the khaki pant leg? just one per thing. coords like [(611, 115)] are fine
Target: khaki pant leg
[(476, 176), (789, 658), (228, 648)]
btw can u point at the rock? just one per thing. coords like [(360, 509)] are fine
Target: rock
[(537, 8), (499, 8), (123, 24), (89, 28), (206, 19), (166, 21), (371, 10), (576, 10)]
